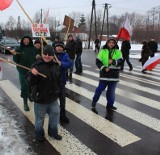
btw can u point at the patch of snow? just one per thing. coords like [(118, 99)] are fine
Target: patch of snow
[(10, 141)]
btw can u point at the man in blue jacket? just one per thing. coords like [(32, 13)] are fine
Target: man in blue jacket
[(65, 62)]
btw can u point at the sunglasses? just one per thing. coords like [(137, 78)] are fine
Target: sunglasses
[(49, 54)]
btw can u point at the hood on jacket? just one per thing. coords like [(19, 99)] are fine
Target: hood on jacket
[(30, 40)]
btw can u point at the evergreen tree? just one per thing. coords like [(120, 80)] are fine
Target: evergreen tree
[(82, 23)]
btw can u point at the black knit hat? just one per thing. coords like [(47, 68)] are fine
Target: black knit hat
[(48, 50), (60, 43), (37, 42)]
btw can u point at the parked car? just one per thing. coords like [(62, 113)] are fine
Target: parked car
[(8, 43)]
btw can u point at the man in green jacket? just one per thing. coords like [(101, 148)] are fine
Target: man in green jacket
[(26, 56), (109, 60)]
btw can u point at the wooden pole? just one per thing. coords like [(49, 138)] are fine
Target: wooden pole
[(24, 67), (8, 49), (32, 21)]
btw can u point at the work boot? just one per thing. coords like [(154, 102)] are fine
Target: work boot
[(70, 76), (26, 107), (64, 119), (30, 98), (93, 104), (111, 107), (54, 133)]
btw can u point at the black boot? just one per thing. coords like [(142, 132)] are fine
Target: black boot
[(70, 76), (26, 107), (40, 136), (54, 133), (64, 119)]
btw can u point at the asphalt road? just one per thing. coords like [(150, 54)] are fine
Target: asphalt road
[(131, 130)]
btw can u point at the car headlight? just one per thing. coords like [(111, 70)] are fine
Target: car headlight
[(9, 47)]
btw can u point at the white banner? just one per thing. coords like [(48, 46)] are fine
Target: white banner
[(43, 28)]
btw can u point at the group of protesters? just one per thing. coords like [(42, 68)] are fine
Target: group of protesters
[(56, 62)]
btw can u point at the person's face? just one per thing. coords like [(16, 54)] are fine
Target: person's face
[(38, 46), (59, 49), (26, 41), (111, 44), (47, 58), (70, 38)]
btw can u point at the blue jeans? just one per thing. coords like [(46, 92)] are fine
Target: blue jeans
[(110, 93), (40, 111), (78, 63)]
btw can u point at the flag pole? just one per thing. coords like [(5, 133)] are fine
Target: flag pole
[(24, 67), (32, 21), (65, 38), (8, 49)]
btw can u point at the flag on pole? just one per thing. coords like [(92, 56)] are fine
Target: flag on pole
[(5, 4), (46, 17), (0, 73), (125, 31)]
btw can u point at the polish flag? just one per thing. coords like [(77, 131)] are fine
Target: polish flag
[(46, 17), (125, 31), (5, 4), (0, 73)]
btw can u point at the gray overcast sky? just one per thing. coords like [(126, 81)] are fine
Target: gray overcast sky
[(59, 8)]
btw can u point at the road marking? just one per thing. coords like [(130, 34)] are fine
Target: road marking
[(133, 114), (129, 84), (107, 128), (132, 76), (143, 100), (145, 75), (69, 143)]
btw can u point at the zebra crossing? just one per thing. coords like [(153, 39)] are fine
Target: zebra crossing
[(124, 131)]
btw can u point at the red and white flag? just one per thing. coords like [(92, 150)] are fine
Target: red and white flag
[(0, 73), (5, 4), (46, 17), (125, 31)]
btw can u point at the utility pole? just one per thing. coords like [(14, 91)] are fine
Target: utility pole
[(106, 7), (41, 16), (93, 9)]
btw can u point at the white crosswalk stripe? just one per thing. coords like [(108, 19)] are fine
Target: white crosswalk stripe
[(119, 135), (68, 141), (122, 109)]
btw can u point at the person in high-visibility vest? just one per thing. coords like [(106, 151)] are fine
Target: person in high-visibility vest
[(109, 61)]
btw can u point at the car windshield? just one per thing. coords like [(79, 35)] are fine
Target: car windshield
[(9, 41)]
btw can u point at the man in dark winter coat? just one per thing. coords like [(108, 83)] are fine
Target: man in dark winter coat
[(45, 93), (125, 53), (65, 62), (97, 44), (78, 62), (71, 50), (26, 56), (37, 44), (55, 41), (152, 44)]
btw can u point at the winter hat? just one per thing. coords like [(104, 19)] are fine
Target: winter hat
[(70, 35), (37, 42), (59, 43), (48, 50), (111, 39)]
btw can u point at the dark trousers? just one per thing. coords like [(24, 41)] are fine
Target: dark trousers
[(78, 63), (126, 58), (62, 100), (25, 90)]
